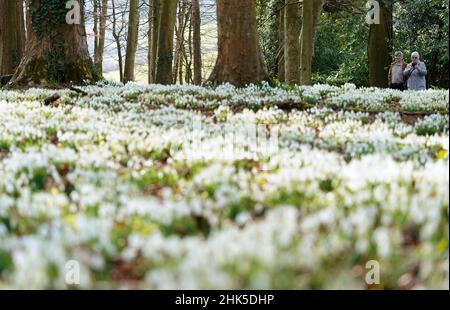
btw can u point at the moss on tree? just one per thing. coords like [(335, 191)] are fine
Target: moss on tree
[(56, 53)]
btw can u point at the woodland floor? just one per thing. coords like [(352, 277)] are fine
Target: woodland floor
[(155, 187)]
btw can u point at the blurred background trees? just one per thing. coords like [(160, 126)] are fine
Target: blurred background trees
[(299, 41)]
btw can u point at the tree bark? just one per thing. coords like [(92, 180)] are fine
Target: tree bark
[(56, 52), (98, 56), (239, 60), (116, 37), (132, 41), (196, 42), (310, 19), (280, 53), (149, 41), (292, 29), (11, 36), (165, 42), (179, 38), (380, 47), (95, 8), (21, 36), (156, 15), (188, 54)]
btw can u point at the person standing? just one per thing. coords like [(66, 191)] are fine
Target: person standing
[(416, 72), (396, 79)]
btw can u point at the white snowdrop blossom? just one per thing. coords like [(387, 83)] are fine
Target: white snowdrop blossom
[(159, 187)]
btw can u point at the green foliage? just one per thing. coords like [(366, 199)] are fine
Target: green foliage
[(341, 46), (341, 50), (432, 124), (6, 262), (165, 60), (341, 41), (5, 146), (39, 179), (47, 15), (423, 26), (54, 59)]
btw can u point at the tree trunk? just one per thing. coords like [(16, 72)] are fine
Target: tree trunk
[(11, 36), (98, 56), (56, 52), (292, 28), (196, 42), (165, 42), (280, 52), (156, 15), (179, 41), (310, 19), (188, 54), (95, 8), (318, 7), (132, 41), (28, 28), (149, 41), (239, 60), (21, 36), (380, 47), (116, 37)]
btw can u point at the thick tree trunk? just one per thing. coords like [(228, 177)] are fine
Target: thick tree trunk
[(56, 52), (165, 42), (292, 29), (239, 60), (132, 41), (11, 36), (196, 42), (380, 47)]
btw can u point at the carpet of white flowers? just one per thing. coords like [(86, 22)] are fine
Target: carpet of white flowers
[(107, 179)]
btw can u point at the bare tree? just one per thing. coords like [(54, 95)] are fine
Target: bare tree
[(99, 45), (132, 41), (116, 35), (165, 42), (196, 42), (310, 17), (292, 52)]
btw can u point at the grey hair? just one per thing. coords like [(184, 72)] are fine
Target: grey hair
[(416, 54), (399, 53)]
